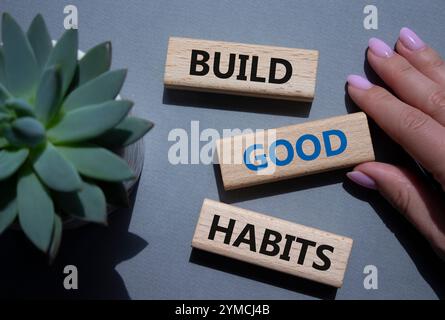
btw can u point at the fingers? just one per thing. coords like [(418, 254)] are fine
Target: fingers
[(410, 85), (409, 195), (420, 135), (421, 57)]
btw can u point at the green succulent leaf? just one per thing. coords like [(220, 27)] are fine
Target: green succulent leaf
[(98, 163), (64, 54), (4, 94), (103, 88), (26, 132), (95, 62), (130, 130), (20, 107), (5, 115), (36, 210), (2, 67), (49, 94), (11, 161), (20, 63), (55, 171), (3, 143), (115, 193), (56, 238), (88, 204), (8, 205), (89, 122), (40, 40)]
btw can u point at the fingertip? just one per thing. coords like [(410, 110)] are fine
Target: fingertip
[(380, 48), (372, 40), (359, 82), (362, 179), (382, 172), (373, 166), (411, 40)]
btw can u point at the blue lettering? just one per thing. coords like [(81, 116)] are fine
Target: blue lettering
[(273, 152), (261, 157), (263, 161), (300, 151), (327, 142)]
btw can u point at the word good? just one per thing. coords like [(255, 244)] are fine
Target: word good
[(272, 243), (242, 69), (278, 154), (314, 154)]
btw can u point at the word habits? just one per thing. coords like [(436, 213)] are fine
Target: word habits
[(242, 69), (272, 243)]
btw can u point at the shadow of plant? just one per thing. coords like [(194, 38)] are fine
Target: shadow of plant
[(95, 251)]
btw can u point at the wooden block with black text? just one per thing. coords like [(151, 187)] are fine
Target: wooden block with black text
[(241, 69), (272, 243), (277, 154)]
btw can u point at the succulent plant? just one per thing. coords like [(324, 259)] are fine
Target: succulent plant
[(60, 122)]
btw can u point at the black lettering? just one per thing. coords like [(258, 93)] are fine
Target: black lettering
[(274, 243), (305, 244), (248, 229), (215, 227), (216, 66), (242, 67), (323, 257), (195, 62), (289, 240), (253, 74), (273, 71)]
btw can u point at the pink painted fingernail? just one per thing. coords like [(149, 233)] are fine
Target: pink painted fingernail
[(379, 48), (362, 180), (411, 40), (359, 82)]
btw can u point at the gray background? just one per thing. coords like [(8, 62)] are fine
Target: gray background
[(145, 252)]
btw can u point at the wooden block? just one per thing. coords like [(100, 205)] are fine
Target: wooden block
[(298, 150), (242, 69), (272, 243)]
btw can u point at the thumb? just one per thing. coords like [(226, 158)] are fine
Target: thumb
[(407, 193)]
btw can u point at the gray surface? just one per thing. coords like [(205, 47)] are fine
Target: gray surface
[(146, 253)]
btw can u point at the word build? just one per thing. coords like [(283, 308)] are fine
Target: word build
[(278, 154), (272, 243), (242, 69)]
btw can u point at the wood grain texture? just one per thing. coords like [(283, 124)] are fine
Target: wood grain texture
[(299, 263), (300, 86), (235, 174)]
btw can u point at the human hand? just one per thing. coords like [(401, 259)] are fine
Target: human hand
[(415, 118)]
